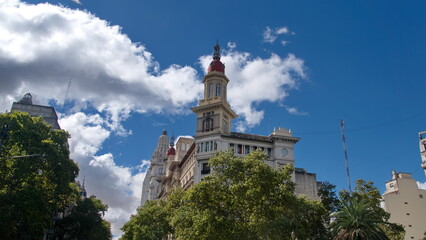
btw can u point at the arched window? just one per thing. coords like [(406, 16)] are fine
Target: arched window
[(208, 125), (217, 89)]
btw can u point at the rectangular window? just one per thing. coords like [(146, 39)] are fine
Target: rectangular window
[(269, 152), (215, 146), (202, 147), (254, 148), (205, 168), (207, 147), (232, 146), (217, 89), (240, 149), (420, 195), (246, 149)]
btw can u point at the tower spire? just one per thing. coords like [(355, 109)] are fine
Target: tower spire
[(216, 64), (172, 140), (216, 53)]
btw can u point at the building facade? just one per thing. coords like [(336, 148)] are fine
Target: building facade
[(213, 133), (422, 142), (407, 204), (46, 112)]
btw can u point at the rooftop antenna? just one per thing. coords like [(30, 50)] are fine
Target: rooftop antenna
[(342, 127), (66, 95)]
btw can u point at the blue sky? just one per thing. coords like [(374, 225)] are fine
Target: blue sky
[(360, 61)]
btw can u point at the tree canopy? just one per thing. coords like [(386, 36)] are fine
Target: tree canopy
[(36, 175), (85, 221), (243, 198), (361, 217)]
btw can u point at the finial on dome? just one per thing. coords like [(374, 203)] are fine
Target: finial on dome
[(164, 132), (172, 140), (216, 64), (216, 54)]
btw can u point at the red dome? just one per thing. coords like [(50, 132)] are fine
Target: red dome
[(172, 151), (216, 65)]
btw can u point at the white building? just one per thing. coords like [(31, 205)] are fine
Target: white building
[(407, 204), (213, 133), (151, 183)]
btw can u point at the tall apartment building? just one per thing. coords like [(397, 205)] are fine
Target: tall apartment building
[(407, 204)]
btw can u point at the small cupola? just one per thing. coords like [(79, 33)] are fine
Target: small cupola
[(216, 64)]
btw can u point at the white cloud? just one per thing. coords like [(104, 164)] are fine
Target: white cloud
[(43, 46), (254, 80), (118, 186), (293, 110), (421, 185), (281, 30), (77, 1), (270, 35), (232, 45)]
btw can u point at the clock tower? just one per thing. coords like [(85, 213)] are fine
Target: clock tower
[(214, 114)]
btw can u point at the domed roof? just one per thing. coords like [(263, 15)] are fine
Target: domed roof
[(171, 151), (216, 64)]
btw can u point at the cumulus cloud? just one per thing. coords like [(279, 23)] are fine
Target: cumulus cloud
[(270, 35), (119, 187), (254, 80), (421, 185), (43, 46)]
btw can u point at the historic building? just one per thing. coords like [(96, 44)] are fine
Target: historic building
[(190, 162), (46, 112), (407, 204)]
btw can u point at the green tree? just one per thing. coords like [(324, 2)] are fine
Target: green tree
[(85, 221), (365, 191), (244, 198), (36, 176), (329, 198), (150, 222), (355, 220)]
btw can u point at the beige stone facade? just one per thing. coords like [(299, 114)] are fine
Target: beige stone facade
[(407, 204)]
